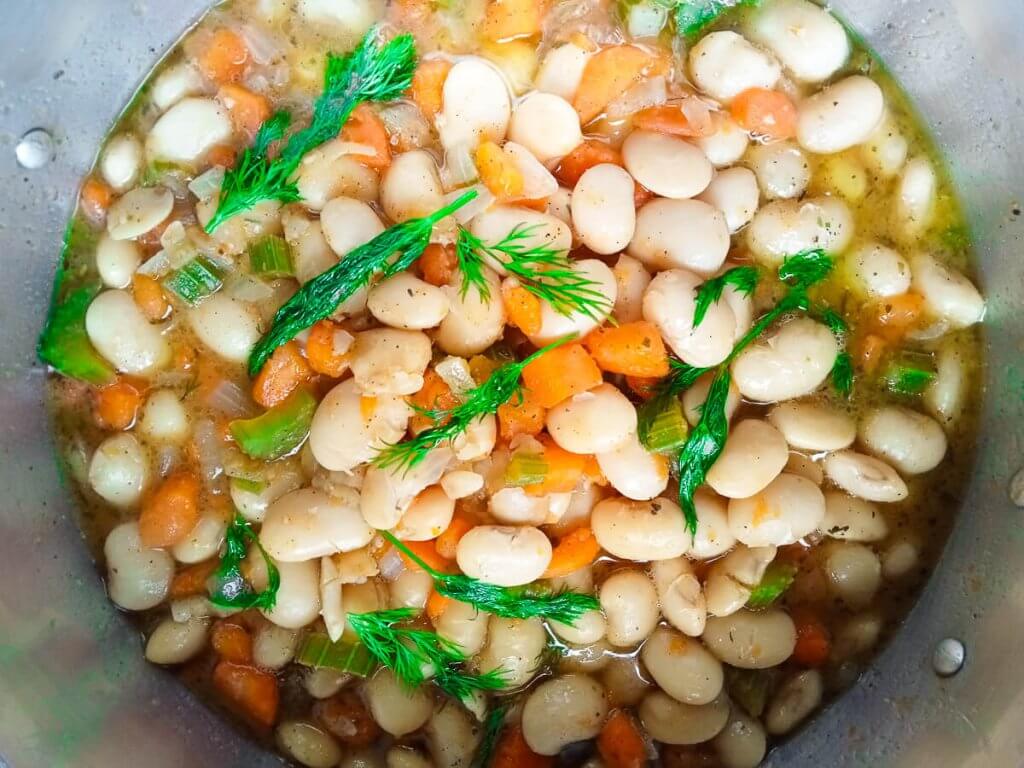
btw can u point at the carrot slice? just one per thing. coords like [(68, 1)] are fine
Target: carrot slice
[(521, 416), (512, 751), (869, 351), (607, 74), (321, 351), (522, 307), (253, 692), (498, 171), (118, 404), (813, 643), (284, 372), (561, 373), (425, 551), (435, 394), (427, 88), (96, 198), (507, 19), (586, 155), (667, 119), (576, 550), (364, 126), (620, 743), (225, 57), (564, 470), (634, 349), (437, 604), (896, 315), (192, 580), (150, 297), (222, 155), (248, 110), (765, 112), (232, 642), (448, 542), (438, 264), (171, 512)]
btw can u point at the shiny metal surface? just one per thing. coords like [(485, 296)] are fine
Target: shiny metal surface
[(74, 690)]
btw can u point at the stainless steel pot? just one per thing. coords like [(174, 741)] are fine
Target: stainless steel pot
[(74, 689)]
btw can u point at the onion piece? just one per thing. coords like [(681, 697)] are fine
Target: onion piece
[(454, 371), (156, 266), (209, 450), (698, 114), (647, 93), (263, 47), (230, 399), (247, 288), (207, 184), (484, 199), (459, 168)]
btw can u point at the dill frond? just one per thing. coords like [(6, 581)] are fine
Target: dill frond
[(743, 279)]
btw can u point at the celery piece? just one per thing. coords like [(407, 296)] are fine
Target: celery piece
[(65, 345), (277, 432), (777, 579), (661, 426), (271, 258), (318, 651), (526, 469), (195, 281)]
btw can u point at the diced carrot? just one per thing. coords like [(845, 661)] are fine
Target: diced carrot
[(512, 751), (522, 307), (253, 692), (586, 155), (192, 580), (426, 552), (869, 351), (765, 113), (225, 57), (438, 264), (592, 471), (150, 297), (248, 110), (521, 416), (666, 118), (481, 367), (897, 314), (634, 349), (498, 171), (321, 351), (448, 542), (560, 373), (508, 19), (620, 743), (364, 126), (183, 357), (642, 386), (222, 155), (117, 405), (232, 642), (813, 643), (564, 470), (348, 719), (428, 86), (171, 511), (608, 74), (437, 604), (96, 198), (641, 195), (576, 550), (284, 372), (435, 394)]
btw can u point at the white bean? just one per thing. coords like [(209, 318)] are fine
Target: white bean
[(515, 646), (561, 70), (498, 222), (332, 603), (452, 736), (640, 530), (121, 161), (858, 635), (796, 698), (461, 484), (472, 324), (625, 683), (680, 595), (785, 227), (406, 757), (793, 362), (348, 223), (682, 667), (175, 83), (504, 555), (727, 144), (175, 643), (899, 559), (228, 327), (120, 332), (476, 104), (390, 361), (562, 711), (672, 722), (713, 534), (427, 517), (885, 151), (596, 421), (514, 506), (915, 197), (681, 233), (804, 466), (308, 523), (308, 744), (631, 280), (465, 625), (670, 303), (547, 125), (880, 270), (603, 214), (852, 519), (788, 509), (742, 743), (298, 599), (587, 629), (323, 683), (630, 603), (695, 396), (734, 192), (273, 647), (137, 578), (782, 169), (117, 260), (405, 301), (411, 186), (666, 165), (945, 395), (329, 172), (411, 590), (188, 130), (554, 325), (119, 470), (203, 541), (633, 471), (854, 573), (164, 418), (731, 580), (910, 441), (949, 294), (724, 64), (751, 640), (809, 42), (397, 709), (387, 493), (865, 476), (349, 428), (311, 255), (813, 426), (841, 116), (349, 19), (754, 455)]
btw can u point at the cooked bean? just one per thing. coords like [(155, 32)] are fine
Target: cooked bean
[(476, 104), (910, 441), (547, 125), (852, 519), (406, 757), (915, 200), (119, 331), (713, 534), (472, 324), (949, 294), (865, 476), (427, 517), (841, 116), (397, 708), (323, 683), (624, 681), (514, 506), (405, 301), (343, 19), (754, 455), (782, 169), (298, 599), (854, 573), (730, 580), (793, 362), (348, 223), (117, 260), (885, 151), (640, 530), (175, 83), (390, 361), (734, 192), (554, 325), (899, 559), (751, 640), (164, 418), (465, 625), (633, 471), (228, 327), (808, 41), (137, 578), (742, 743), (175, 643), (461, 484), (308, 744), (727, 144), (596, 421), (880, 270), (724, 64), (119, 470), (666, 165), (411, 589), (695, 396), (562, 711), (945, 395), (630, 603), (273, 647), (365, 758), (411, 187), (796, 698), (452, 736), (504, 555), (366, 597), (203, 541), (670, 303), (308, 523), (784, 227), (813, 426), (588, 628), (858, 635), (498, 222), (672, 722), (680, 595), (603, 213), (188, 130), (682, 667), (329, 172), (801, 465), (515, 646), (121, 161), (478, 440), (561, 70), (788, 509), (681, 233), (311, 255), (387, 493)]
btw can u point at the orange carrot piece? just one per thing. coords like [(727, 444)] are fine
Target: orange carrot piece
[(508, 19), (171, 511), (438, 264), (620, 743), (150, 297), (869, 351), (586, 155), (192, 580), (667, 119), (437, 604), (522, 307), (426, 552), (512, 751), (225, 57), (428, 86), (364, 126), (813, 643), (642, 386), (248, 110), (284, 372), (564, 470), (521, 416), (609, 73), (765, 112), (592, 471), (321, 353), (253, 692), (435, 394), (96, 198), (446, 544), (498, 172), (232, 642), (222, 155), (576, 550), (117, 405), (897, 314), (560, 373), (634, 349)]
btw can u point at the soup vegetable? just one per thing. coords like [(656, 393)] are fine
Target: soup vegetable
[(491, 383)]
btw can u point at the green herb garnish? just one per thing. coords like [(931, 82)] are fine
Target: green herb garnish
[(278, 431), (778, 577), (743, 279), (842, 368), (270, 257), (389, 253), (195, 281), (372, 72), (493, 726), (230, 589), (317, 650), (903, 379), (694, 16), (65, 344)]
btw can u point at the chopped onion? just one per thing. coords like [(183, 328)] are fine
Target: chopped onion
[(263, 47), (247, 288), (209, 450), (454, 371), (483, 200), (647, 93), (459, 168), (698, 114), (406, 125), (342, 341), (391, 565), (230, 399), (537, 180), (646, 19), (156, 266), (173, 235), (208, 184), (166, 459)]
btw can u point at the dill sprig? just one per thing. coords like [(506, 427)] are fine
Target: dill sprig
[(694, 16), (389, 253), (508, 602), (842, 369), (493, 726), (372, 72), (743, 279), (414, 655), (449, 423), (544, 271), (229, 587)]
